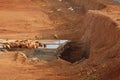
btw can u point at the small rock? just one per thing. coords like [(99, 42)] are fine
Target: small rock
[(104, 65), (70, 8), (35, 59), (56, 36), (60, 0), (58, 9)]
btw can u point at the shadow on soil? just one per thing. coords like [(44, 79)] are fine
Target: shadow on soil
[(76, 52)]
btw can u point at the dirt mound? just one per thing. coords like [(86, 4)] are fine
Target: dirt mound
[(98, 35), (13, 57), (21, 57)]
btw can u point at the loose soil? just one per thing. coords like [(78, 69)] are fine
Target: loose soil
[(92, 26)]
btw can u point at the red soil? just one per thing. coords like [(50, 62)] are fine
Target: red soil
[(93, 27)]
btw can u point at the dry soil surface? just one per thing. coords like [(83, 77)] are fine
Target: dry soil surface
[(92, 25)]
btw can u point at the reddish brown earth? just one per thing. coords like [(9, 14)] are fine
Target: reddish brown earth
[(93, 26)]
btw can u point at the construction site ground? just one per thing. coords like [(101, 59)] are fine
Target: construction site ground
[(93, 26)]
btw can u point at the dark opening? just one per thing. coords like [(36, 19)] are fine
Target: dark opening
[(76, 52)]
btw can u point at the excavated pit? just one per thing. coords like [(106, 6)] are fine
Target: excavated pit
[(77, 52), (63, 51), (93, 27), (78, 49), (52, 50)]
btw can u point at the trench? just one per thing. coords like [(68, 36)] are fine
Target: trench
[(71, 52), (74, 53)]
